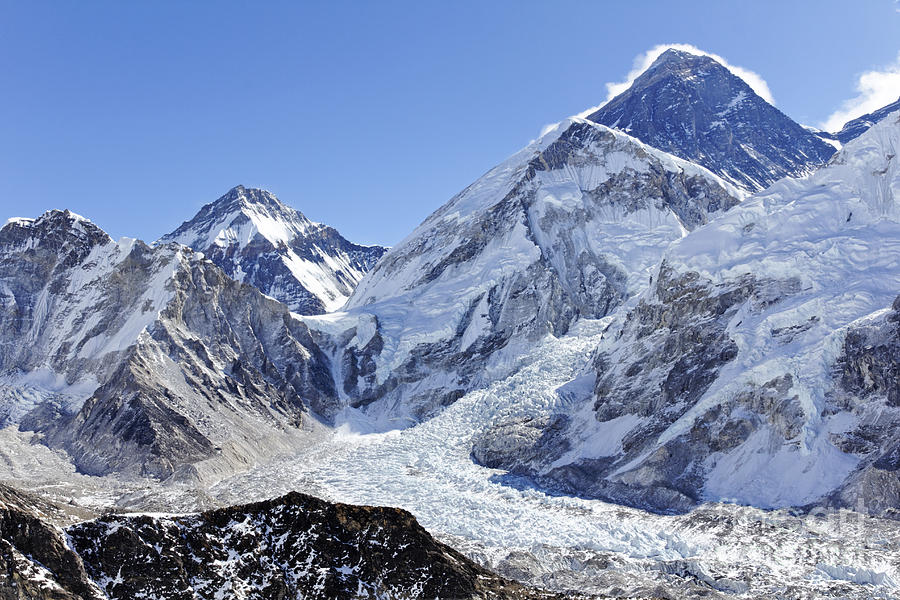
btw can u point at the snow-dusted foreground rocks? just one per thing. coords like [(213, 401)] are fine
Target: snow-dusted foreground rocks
[(553, 541), (295, 546)]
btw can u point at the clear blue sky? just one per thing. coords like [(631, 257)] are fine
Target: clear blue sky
[(366, 116)]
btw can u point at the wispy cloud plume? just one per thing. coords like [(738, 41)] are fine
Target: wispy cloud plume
[(644, 60), (875, 89)]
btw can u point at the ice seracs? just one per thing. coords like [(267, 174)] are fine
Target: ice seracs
[(594, 320), (257, 239)]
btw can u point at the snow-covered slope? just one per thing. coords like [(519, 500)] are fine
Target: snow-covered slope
[(695, 108), (146, 360), (569, 227), (760, 367), (602, 325), (256, 239)]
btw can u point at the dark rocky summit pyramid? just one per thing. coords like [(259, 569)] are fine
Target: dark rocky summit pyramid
[(695, 108)]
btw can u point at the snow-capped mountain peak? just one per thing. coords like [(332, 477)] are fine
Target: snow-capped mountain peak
[(61, 230), (240, 215), (694, 107), (681, 61), (259, 240), (566, 228)]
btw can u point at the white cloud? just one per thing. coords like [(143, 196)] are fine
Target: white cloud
[(643, 61), (548, 128), (875, 89)]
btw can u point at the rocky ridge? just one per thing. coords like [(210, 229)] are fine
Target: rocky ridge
[(289, 547), (856, 127)]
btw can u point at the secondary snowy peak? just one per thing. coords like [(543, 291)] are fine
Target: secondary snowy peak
[(695, 108), (853, 129), (566, 228), (239, 216), (61, 231), (259, 240), (760, 367), (578, 167)]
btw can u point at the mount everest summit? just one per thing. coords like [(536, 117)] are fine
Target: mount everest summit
[(695, 108), (722, 282)]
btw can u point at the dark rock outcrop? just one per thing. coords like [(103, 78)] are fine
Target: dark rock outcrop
[(868, 384), (35, 561), (664, 356), (295, 546)]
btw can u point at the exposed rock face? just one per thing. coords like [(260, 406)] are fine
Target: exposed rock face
[(761, 365), (663, 358), (256, 239), (868, 385), (295, 546), (695, 108), (223, 366), (145, 360), (518, 445), (567, 228), (38, 261), (159, 362), (35, 561)]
